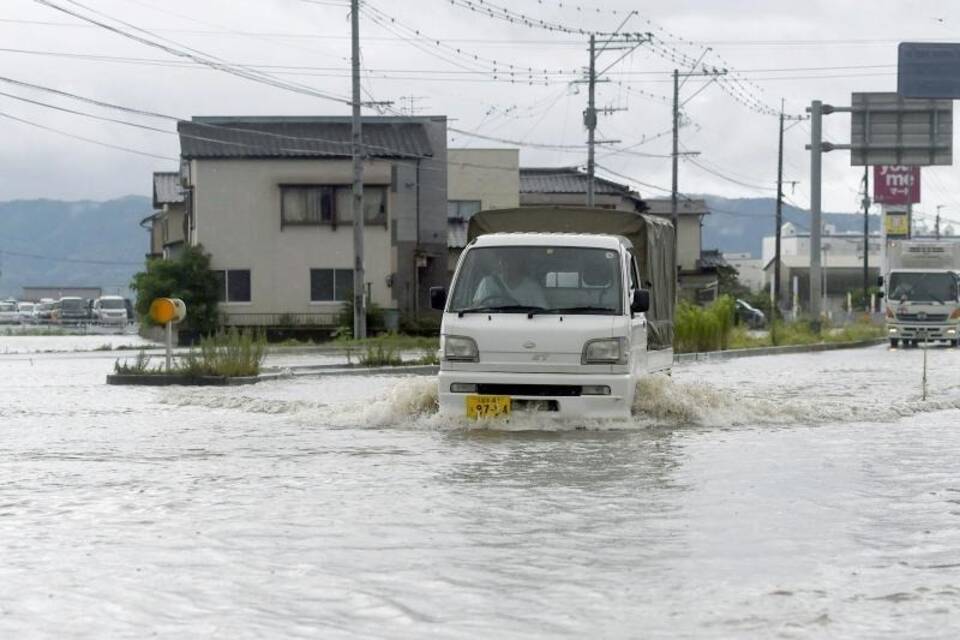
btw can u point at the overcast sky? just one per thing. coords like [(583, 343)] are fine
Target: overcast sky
[(798, 51)]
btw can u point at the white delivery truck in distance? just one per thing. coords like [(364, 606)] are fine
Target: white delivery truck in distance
[(544, 317), (920, 284)]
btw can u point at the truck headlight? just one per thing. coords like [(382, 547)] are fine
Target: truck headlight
[(460, 349), (605, 351)]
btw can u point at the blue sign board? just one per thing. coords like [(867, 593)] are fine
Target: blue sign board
[(928, 70)]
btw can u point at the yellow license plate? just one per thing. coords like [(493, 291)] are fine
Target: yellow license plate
[(488, 406)]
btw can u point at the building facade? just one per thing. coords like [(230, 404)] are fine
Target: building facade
[(841, 261), (168, 222), (270, 200), (477, 180)]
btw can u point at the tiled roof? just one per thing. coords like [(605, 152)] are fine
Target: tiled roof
[(166, 189), (712, 259), (299, 137), (567, 180)]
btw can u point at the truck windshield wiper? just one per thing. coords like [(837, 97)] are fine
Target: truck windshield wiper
[(507, 308), (574, 310)]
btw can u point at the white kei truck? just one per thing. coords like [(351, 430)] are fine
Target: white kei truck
[(556, 311), (920, 284)]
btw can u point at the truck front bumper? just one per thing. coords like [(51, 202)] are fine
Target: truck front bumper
[(914, 331), (538, 393)]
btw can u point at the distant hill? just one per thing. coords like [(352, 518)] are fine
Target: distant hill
[(739, 225), (52, 242)]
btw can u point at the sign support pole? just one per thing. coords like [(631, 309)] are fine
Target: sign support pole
[(169, 346), (816, 151)]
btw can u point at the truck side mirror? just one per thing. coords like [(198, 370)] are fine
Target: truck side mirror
[(438, 298), (879, 281), (640, 301)]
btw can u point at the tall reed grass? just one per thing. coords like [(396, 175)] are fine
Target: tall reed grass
[(703, 328)]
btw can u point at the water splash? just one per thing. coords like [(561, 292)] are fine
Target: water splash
[(660, 402)]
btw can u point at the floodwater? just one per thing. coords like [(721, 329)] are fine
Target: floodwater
[(804, 496)]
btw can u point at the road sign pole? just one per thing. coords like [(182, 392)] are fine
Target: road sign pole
[(816, 152)]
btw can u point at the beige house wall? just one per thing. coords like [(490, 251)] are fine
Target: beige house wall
[(172, 224), (491, 176), (237, 220)]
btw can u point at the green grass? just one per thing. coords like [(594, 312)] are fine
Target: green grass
[(231, 354), (799, 333), (698, 329), (395, 341)]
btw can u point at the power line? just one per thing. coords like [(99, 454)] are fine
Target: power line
[(90, 140), (198, 57)]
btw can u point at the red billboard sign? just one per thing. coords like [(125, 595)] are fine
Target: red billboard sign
[(896, 184)]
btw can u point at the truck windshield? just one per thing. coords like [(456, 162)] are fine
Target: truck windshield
[(923, 287), (539, 279), (112, 303)]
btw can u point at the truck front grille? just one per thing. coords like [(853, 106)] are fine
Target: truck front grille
[(535, 390), (928, 317)]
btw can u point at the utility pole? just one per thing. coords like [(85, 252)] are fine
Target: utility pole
[(625, 42), (359, 290), (779, 219), (816, 152), (674, 213), (936, 226), (674, 190), (866, 239), (590, 119)]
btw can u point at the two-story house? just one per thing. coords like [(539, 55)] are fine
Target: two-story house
[(269, 198)]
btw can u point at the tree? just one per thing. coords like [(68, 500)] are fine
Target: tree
[(187, 277)]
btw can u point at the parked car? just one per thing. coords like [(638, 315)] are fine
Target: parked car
[(109, 310), (71, 310), (43, 311), (25, 309), (9, 313), (749, 315)]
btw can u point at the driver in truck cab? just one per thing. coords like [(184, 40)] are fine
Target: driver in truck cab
[(510, 281)]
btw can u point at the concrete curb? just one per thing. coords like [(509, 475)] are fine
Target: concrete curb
[(322, 371), (681, 358), (162, 380)]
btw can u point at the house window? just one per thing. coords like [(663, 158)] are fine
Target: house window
[(462, 209), (233, 285), (329, 205), (331, 285)]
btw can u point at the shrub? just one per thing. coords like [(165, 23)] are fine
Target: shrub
[(703, 329), (233, 354), (189, 278), (378, 355), (375, 320)]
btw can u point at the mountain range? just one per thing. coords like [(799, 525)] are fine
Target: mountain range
[(80, 243), (87, 243), (739, 225)]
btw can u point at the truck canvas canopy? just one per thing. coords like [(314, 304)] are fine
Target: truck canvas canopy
[(652, 239)]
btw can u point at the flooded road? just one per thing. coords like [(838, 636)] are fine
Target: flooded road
[(790, 496)]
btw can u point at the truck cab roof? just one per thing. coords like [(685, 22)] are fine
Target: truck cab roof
[(600, 241)]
